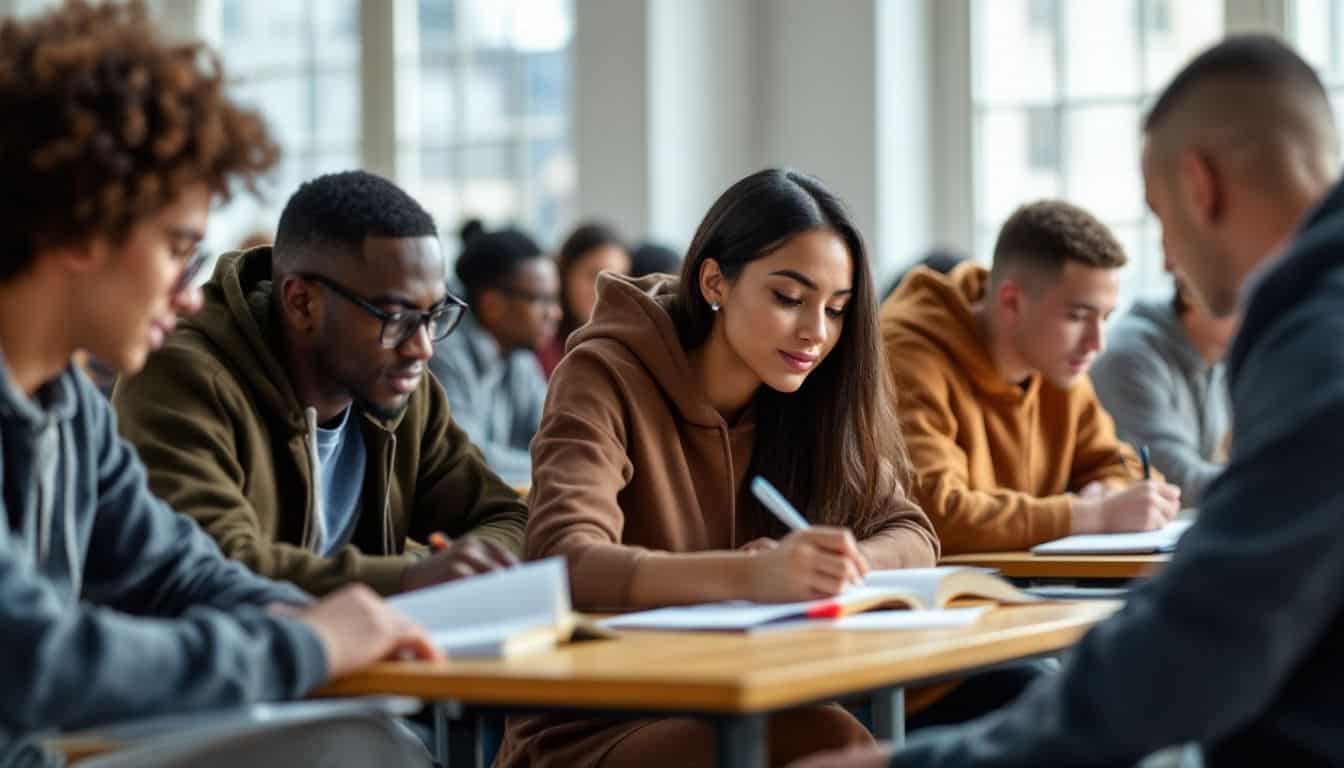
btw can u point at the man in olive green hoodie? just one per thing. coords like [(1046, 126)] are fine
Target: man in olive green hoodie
[(293, 417)]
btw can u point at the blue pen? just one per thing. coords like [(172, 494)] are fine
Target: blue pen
[(777, 504), (1147, 468)]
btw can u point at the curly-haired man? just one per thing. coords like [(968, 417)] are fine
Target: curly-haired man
[(113, 607), (1010, 445)]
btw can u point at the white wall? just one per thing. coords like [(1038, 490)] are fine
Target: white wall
[(819, 114), (738, 85), (611, 138), (703, 109)]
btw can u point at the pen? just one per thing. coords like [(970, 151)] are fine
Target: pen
[(777, 504), (1147, 468)]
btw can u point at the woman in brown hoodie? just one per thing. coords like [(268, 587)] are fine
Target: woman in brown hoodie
[(763, 359)]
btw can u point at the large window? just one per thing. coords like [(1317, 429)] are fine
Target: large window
[(1317, 26), (298, 63), (481, 124), (1059, 87), (493, 139)]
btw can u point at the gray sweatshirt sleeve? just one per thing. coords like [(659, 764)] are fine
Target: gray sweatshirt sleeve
[(1136, 386), (1207, 645), (167, 645), (470, 406)]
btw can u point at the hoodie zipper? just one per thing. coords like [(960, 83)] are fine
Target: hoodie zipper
[(388, 543)]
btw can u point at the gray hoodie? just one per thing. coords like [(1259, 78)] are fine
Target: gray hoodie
[(112, 606), (496, 398), (1162, 394)]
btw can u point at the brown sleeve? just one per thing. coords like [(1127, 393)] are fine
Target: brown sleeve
[(967, 519), (180, 414), (906, 538), (1098, 453), (579, 465), (457, 492)]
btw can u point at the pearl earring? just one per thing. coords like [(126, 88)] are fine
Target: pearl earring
[(714, 306)]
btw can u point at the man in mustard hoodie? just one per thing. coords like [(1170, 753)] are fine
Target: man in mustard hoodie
[(293, 417), (1009, 443)]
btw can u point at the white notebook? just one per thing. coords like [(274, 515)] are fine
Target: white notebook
[(1145, 543), (909, 590)]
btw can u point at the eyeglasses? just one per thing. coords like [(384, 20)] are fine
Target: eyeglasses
[(401, 325), (190, 271)]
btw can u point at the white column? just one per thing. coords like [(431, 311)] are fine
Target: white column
[(703, 82), (389, 96), (819, 112), (611, 139), (1269, 16)]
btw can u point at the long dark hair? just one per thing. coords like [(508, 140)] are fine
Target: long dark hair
[(585, 238), (834, 447)]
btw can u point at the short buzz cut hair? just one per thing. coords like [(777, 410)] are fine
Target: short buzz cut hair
[(1238, 58), (345, 209), (1043, 236)]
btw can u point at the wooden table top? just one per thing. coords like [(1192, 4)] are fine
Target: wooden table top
[(730, 672), (1025, 565)]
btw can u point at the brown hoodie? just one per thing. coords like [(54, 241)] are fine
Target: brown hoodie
[(226, 441), (994, 460), (631, 457)]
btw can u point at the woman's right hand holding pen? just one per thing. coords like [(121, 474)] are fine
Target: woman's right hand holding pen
[(807, 564)]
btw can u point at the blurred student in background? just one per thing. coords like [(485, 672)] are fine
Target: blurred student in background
[(650, 258), (1161, 378), (589, 250), (489, 366)]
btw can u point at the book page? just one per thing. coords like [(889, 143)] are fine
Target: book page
[(534, 594), (920, 582)]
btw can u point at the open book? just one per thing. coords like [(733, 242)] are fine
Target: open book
[(910, 588), (501, 613), (1144, 543)]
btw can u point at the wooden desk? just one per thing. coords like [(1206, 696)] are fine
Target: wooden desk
[(1025, 565), (736, 678)]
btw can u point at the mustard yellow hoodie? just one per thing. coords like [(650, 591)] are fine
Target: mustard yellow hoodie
[(995, 461)]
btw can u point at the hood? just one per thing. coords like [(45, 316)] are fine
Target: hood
[(57, 395), (634, 313), (238, 321), (937, 308)]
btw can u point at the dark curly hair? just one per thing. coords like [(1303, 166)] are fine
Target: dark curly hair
[(105, 124), (343, 209), (1046, 234)]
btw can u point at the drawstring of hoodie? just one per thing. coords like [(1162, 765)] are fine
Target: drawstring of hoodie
[(315, 525)]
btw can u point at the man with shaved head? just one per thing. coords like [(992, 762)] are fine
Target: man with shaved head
[(293, 417), (1238, 644)]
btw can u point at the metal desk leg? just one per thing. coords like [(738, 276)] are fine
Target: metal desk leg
[(457, 736), (464, 743), (741, 741), (889, 715), (442, 717)]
